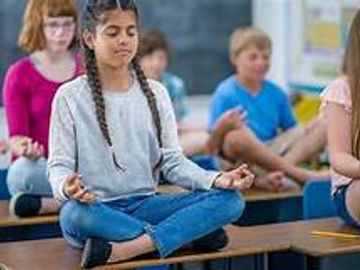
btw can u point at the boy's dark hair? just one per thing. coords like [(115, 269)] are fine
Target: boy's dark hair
[(93, 12), (152, 40)]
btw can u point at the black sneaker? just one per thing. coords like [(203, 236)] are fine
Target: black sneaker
[(96, 252), (213, 241), (25, 205)]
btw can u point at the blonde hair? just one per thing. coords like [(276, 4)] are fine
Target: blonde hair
[(351, 68), (31, 36), (241, 38)]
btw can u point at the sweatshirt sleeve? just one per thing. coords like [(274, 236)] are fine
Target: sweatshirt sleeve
[(62, 145), (176, 168), (16, 95)]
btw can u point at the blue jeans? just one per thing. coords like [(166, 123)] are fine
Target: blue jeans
[(341, 209), (171, 220), (28, 176)]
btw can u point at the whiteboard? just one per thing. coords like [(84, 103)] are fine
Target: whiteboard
[(317, 36)]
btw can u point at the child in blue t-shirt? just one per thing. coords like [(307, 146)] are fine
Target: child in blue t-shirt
[(269, 128)]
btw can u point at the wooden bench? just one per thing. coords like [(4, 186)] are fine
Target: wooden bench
[(255, 240)]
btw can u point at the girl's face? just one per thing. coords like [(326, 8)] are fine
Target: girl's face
[(253, 63), (155, 64), (59, 33), (116, 40)]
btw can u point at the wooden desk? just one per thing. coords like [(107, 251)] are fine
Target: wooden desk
[(263, 239), (56, 254), (265, 207), (7, 220), (321, 252), (325, 252), (13, 228), (305, 242), (251, 195), (258, 195)]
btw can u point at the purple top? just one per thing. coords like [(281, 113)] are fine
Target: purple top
[(27, 99)]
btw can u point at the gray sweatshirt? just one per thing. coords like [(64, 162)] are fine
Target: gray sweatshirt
[(76, 143)]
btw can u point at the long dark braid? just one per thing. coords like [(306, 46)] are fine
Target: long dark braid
[(151, 99), (95, 85), (150, 96)]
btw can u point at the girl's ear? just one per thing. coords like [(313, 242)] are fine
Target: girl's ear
[(88, 39)]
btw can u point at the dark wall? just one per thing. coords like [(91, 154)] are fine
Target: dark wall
[(10, 21), (198, 31)]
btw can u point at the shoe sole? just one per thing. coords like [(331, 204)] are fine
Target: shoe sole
[(12, 203), (84, 260)]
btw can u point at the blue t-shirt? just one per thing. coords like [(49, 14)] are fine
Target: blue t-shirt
[(267, 111)]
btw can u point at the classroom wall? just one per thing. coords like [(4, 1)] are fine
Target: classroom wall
[(197, 30), (10, 20), (272, 16)]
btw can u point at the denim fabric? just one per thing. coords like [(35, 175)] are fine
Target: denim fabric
[(341, 209), (28, 176), (171, 220)]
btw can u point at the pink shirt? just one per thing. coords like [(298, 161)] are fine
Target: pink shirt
[(337, 92), (27, 99)]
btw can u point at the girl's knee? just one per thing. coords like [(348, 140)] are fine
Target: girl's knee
[(19, 175), (25, 175), (74, 222), (73, 213), (232, 204)]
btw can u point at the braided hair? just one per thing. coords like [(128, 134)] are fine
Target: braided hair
[(91, 17)]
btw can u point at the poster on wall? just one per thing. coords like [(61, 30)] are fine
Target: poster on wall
[(320, 33)]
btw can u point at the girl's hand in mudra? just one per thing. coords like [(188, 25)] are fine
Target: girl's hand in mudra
[(74, 189), (240, 179)]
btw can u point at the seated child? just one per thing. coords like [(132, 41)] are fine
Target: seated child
[(269, 129), (111, 134), (342, 114), (48, 35)]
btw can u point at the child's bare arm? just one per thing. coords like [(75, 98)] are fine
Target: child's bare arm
[(339, 140)]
